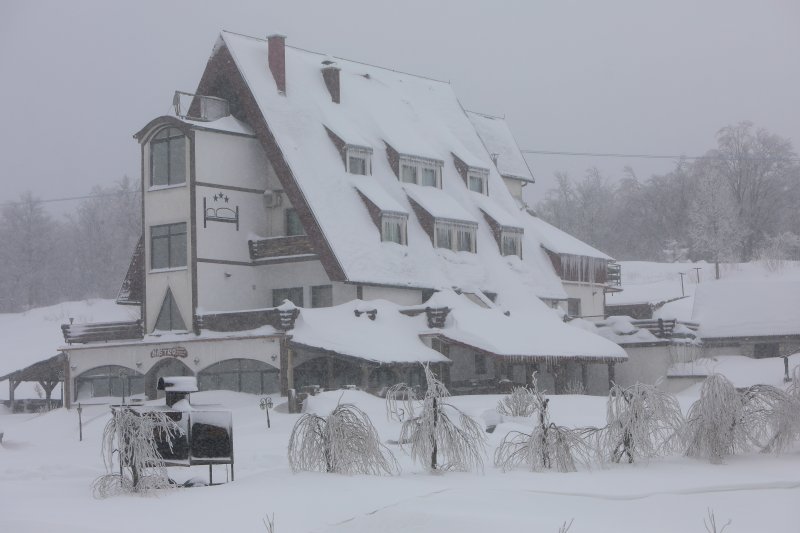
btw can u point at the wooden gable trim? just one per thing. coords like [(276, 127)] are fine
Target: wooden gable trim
[(497, 229), (394, 159), (339, 143), (374, 211), (462, 168), (426, 220), (222, 69)]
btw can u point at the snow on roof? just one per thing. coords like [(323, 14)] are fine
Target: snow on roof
[(415, 116), (537, 332), (227, 124), (497, 213), (747, 308), (617, 329), (562, 242), (377, 195), (390, 338), (497, 137), (438, 203)]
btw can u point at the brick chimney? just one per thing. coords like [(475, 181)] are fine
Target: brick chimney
[(276, 45), (330, 73)]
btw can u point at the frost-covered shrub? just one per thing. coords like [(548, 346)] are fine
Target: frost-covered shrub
[(345, 442), (437, 441), (401, 402), (641, 422), (135, 438), (548, 446), (522, 401), (725, 421)]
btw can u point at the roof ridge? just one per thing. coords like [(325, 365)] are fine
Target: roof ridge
[(344, 59)]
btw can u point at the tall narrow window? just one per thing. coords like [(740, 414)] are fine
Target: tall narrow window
[(429, 177), (574, 307), (477, 182), (293, 224), (168, 158), (393, 228), (357, 164), (511, 243), (443, 238), (408, 173), (168, 246), (169, 318)]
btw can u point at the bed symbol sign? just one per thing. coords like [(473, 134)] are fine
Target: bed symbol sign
[(177, 351)]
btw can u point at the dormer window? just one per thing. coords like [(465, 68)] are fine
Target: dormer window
[(455, 235), (393, 227), (168, 158), (511, 242), (477, 181), (359, 160), (427, 172)]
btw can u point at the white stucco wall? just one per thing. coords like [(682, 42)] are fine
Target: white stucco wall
[(231, 160), (393, 294), (591, 296)]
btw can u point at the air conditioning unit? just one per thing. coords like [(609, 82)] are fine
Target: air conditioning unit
[(272, 198)]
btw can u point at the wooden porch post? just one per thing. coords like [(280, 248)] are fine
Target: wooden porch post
[(557, 375), (611, 375), (329, 372), (12, 386), (364, 376), (585, 377)]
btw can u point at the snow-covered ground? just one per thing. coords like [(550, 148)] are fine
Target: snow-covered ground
[(46, 473)]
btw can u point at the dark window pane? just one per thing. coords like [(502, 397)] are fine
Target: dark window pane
[(177, 250), (294, 295), (160, 165), (322, 296), (408, 174), (293, 224), (159, 252), (177, 160), (429, 177), (358, 165)]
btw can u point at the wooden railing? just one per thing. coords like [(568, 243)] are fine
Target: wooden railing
[(102, 332), (280, 319), (281, 247), (665, 329)]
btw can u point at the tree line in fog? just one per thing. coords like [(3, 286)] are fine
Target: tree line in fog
[(46, 259), (739, 202)]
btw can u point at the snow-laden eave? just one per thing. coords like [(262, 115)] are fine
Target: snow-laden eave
[(264, 332), (360, 358)]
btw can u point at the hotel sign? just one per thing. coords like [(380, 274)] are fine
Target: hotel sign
[(177, 351)]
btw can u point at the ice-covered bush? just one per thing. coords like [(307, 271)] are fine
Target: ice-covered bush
[(135, 438), (436, 440), (641, 422), (345, 442), (548, 446), (522, 401), (725, 421), (401, 402)]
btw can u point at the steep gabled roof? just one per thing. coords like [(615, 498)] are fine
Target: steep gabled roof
[(500, 143), (379, 107)]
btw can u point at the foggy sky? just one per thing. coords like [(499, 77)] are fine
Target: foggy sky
[(79, 78)]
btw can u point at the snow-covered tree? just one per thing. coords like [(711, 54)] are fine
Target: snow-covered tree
[(401, 402), (345, 442), (641, 422), (522, 401), (715, 228), (135, 438), (437, 441), (548, 446), (726, 420)]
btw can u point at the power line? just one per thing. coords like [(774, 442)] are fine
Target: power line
[(658, 156), (70, 198)]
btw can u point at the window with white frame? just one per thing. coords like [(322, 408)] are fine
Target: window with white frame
[(168, 158), (456, 236), (359, 160), (511, 242), (477, 181), (427, 172), (168, 246), (393, 227)]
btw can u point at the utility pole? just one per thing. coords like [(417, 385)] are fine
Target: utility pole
[(681, 274)]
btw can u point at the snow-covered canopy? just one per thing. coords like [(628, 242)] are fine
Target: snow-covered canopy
[(747, 308), (390, 337), (498, 140), (417, 117), (535, 333), (561, 242)]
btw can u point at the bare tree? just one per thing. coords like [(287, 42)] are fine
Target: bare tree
[(135, 437), (345, 442), (401, 402), (641, 422), (437, 441)]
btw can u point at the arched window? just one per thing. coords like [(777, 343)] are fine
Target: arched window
[(110, 380), (241, 375), (168, 158)]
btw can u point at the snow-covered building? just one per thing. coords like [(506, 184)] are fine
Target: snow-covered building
[(310, 220), (755, 318)]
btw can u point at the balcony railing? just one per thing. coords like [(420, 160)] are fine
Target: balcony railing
[(614, 274), (278, 318), (200, 108), (273, 247), (102, 332)]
